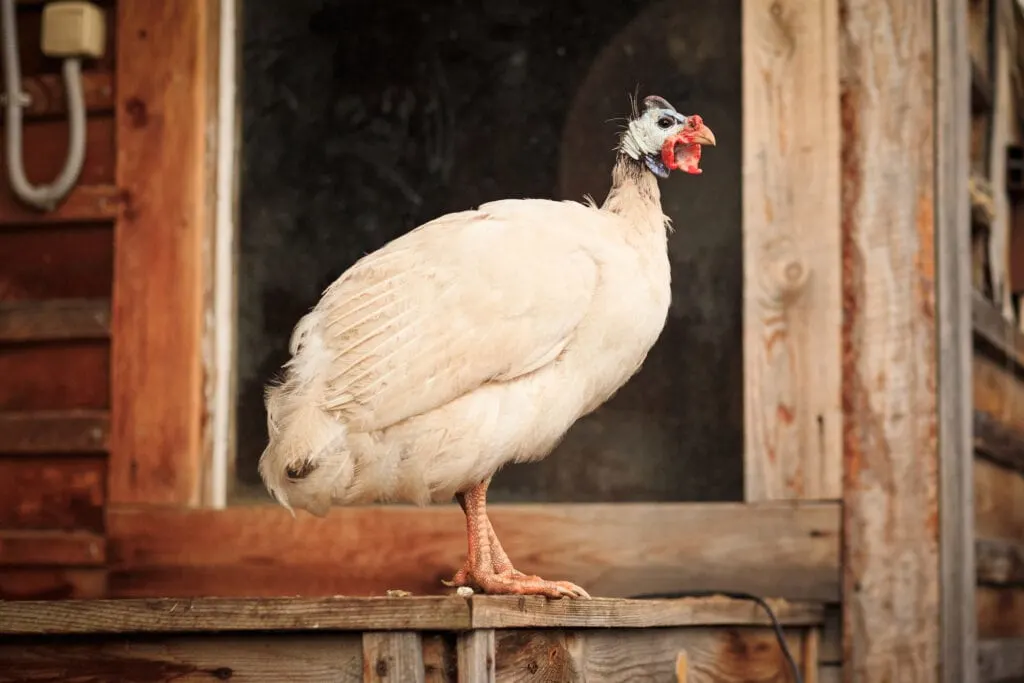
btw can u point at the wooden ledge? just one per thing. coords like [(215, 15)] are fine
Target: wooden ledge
[(446, 613), (997, 336), (997, 441)]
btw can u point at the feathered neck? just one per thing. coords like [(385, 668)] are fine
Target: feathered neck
[(634, 193)]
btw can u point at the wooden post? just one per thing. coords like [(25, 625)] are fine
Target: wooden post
[(163, 69), (791, 249), (907, 569)]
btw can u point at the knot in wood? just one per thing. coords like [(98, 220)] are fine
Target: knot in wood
[(784, 271)]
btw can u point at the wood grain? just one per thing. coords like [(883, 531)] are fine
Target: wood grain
[(84, 203), (1000, 660), (448, 613), (306, 658), (52, 493), (54, 320), (617, 550), (439, 658), (999, 340), (1000, 562), (475, 656), (998, 392), (998, 502), (998, 442), (59, 376), (791, 250), (51, 583), (58, 262), (892, 614), (1000, 612), (48, 432), (162, 123), (52, 548), (392, 657), (48, 94), (953, 287)]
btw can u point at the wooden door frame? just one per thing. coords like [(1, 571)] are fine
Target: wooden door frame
[(163, 541)]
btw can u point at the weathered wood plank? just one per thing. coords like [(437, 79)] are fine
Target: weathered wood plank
[(390, 656), (998, 392), (1000, 612), (953, 309), (532, 612), (52, 493), (52, 548), (60, 262), (999, 339), (617, 550), (1000, 660), (52, 583), (306, 658), (57, 376), (792, 295), (440, 661), (48, 95), (25, 321), (892, 612), (85, 203), (1000, 561), (476, 656), (49, 432), (157, 398), (422, 613), (998, 442), (998, 501)]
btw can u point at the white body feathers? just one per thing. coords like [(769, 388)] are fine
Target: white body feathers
[(473, 341)]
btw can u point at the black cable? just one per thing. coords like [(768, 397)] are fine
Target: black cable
[(776, 626)]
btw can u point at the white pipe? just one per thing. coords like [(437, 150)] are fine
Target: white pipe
[(45, 197)]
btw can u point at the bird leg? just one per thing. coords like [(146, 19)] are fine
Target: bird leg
[(487, 565)]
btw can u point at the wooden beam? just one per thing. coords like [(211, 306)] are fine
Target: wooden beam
[(47, 94), (953, 309), (1001, 660), (615, 550), (52, 493), (392, 656), (1000, 562), (893, 625), (998, 501), (35, 321), (84, 204), (51, 432), (998, 442), (414, 613), (162, 132), (52, 548), (998, 338), (792, 303)]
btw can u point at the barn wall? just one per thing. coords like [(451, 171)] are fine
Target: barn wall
[(55, 286)]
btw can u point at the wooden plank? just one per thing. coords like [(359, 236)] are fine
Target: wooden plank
[(49, 548), (391, 656), (1000, 561), (157, 401), (997, 392), (953, 310), (1000, 612), (305, 658), (998, 442), (47, 94), (52, 493), (891, 455), (1000, 660), (52, 583), (58, 262), (59, 376), (534, 612), (84, 203), (439, 658), (1000, 340), (413, 613), (831, 650), (998, 502), (72, 431), (616, 550), (22, 321), (792, 302), (476, 656), (615, 656)]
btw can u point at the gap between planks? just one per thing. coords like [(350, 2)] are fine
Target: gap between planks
[(386, 613)]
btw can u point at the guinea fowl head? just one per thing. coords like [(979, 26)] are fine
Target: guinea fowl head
[(664, 139)]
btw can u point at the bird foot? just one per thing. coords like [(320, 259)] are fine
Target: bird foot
[(511, 581)]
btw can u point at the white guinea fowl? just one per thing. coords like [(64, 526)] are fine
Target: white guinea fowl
[(477, 340)]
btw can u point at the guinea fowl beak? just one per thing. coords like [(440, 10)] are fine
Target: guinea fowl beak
[(704, 136)]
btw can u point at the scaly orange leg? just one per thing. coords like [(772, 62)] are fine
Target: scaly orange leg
[(487, 565)]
